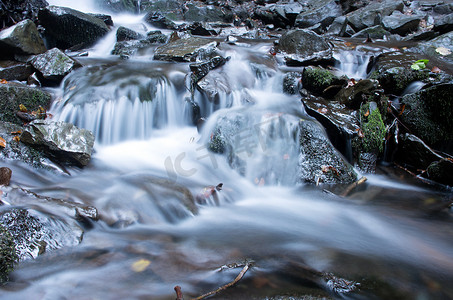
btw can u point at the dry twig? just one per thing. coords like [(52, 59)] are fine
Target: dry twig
[(353, 186)]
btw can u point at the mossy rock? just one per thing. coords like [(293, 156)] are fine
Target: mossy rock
[(373, 129), (12, 95), (8, 254), (316, 80), (429, 114)]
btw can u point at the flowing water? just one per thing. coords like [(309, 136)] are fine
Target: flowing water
[(148, 161)]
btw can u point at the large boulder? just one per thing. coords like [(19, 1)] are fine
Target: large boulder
[(60, 140), (12, 95), (401, 24), (22, 38), (187, 49), (428, 114), (373, 13), (127, 34), (444, 24), (304, 47), (66, 27), (54, 64), (323, 12)]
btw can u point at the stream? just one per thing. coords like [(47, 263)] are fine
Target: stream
[(378, 243)]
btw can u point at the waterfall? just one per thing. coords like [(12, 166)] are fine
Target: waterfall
[(354, 64)]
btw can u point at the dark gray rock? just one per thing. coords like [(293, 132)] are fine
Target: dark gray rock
[(304, 47), (61, 140), (394, 72), (353, 96), (199, 70), (292, 83), (12, 95), (172, 9), (13, 70), (207, 13), (8, 254), (22, 38), (107, 19), (324, 12), (444, 24), (188, 49), (54, 64), (14, 11), (428, 114), (373, 13), (66, 27), (158, 20), (401, 24), (374, 32), (440, 171), (414, 152), (126, 34)]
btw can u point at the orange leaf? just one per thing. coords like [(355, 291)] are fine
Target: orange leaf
[(367, 113), (16, 139), (2, 142), (16, 132), (436, 70), (3, 81)]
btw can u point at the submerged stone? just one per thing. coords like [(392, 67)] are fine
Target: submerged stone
[(61, 140)]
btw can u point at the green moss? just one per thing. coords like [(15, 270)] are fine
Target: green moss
[(8, 254), (317, 80), (373, 130)]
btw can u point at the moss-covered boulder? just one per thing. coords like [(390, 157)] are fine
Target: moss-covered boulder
[(428, 114), (8, 254), (12, 95), (317, 80)]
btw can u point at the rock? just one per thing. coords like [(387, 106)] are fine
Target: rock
[(440, 48), (200, 29), (374, 32), (54, 64), (414, 152), (8, 254), (187, 49), (126, 49), (428, 114), (304, 47), (373, 13), (156, 37), (323, 12), (199, 70), (66, 27), (126, 34), (354, 95), (317, 80), (207, 13), (34, 233), (444, 24), (158, 20), (172, 9), (401, 24), (13, 70), (278, 15), (61, 140), (22, 38), (107, 19), (440, 171), (340, 122), (120, 6), (14, 11), (5, 176), (394, 73), (292, 83), (12, 95), (15, 150)]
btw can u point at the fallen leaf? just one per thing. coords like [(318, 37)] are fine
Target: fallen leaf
[(443, 51), (2, 142), (436, 70), (22, 108), (16, 132), (72, 87), (322, 110), (367, 113), (16, 139), (3, 81), (140, 265)]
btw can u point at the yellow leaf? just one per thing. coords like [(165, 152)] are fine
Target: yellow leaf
[(140, 265), (22, 108), (443, 51), (16, 138), (2, 142)]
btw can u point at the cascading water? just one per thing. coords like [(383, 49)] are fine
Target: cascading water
[(163, 222)]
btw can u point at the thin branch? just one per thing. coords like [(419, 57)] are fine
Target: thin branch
[(353, 186), (224, 287)]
